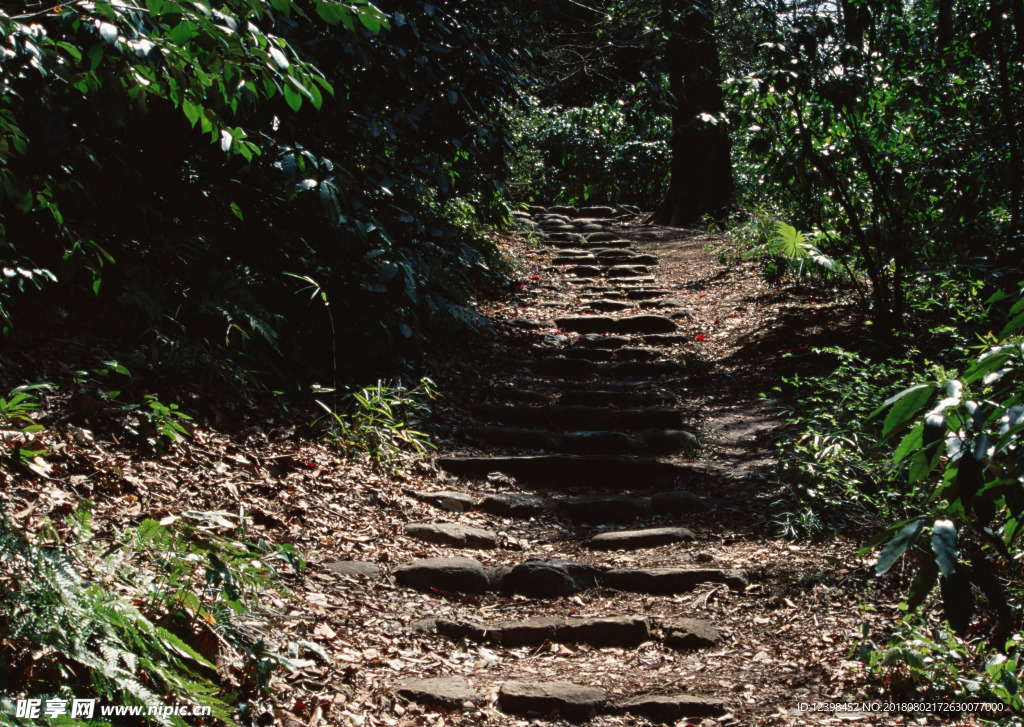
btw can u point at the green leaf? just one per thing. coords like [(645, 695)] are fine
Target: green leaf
[(905, 407), (293, 99), (192, 111), (904, 539), (332, 13), (944, 547), (370, 17), (912, 442), (236, 210)]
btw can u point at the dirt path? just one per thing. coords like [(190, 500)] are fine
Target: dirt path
[(589, 542), (593, 548)]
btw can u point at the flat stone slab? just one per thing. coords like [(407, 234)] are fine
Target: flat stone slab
[(690, 633), (609, 305), (571, 701), (645, 324), (460, 575), (454, 534), (451, 692), (612, 509), (669, 581), (666, 339), (597, 442), (669, 708), (516, 505), (571, 470), (576, 241), (447, 500), (589, 324), (680, 502), (669, 441), (513, 437), (605, 397), (607, 631), (598, 341), (636, 353), (354, 569), (635, 539), (530, 324), (541, 578), (626, 271)]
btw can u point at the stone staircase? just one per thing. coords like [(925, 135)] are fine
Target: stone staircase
[(586, 438)]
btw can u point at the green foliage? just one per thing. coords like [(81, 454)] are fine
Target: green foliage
[(834, 463), (895, 139), (383, 422), (15, 409), (790, 252), (960, 441), (183, 583), (933, 662), (159, 156), (613, 151)]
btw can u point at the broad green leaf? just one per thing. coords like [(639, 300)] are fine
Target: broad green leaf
[(370, 17), (944, 547), (904, 539), (912, 442), (905, 407), (293, 99)]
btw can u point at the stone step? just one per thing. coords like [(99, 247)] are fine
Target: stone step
[(656, 303), (587, 354), (576, 416), (626, 271), (636, 353), (603, 304), (559, 700), (645, 324), (568, 470), (574, 241), (565, 237), (596, 509), (637, 539), (619, 398), (555, 577), (666, 339), (635, 281), (602, 631), (577, 271), (619, 256), (581, 442), (685, 634), (446, 692), (646, 293), (582, 259), (593, 509), (567, 368), (599, 340), (453, 534), (605, 236), (668, 709), (669, 581)]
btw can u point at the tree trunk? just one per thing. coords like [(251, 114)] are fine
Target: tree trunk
[(701, 171)]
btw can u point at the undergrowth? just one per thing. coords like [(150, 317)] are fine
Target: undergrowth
[(141, 619)]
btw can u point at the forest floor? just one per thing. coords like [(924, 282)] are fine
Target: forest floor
[(786, 633)]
